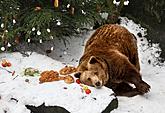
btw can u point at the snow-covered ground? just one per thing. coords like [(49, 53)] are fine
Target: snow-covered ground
[(152, 102), (16, 91)]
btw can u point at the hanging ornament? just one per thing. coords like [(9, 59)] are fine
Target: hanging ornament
[(2, 25), (56, 3), (51, 37), (40, 41), (68, 6), (58, 22), (14, 21), (2, 48), (38, 32), (48, 30), (37, 8), (28, 40), (126, 2), (83, 12), (33, 29), (8, 45), (116, 2)]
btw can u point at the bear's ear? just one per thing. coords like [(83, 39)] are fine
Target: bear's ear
[(93, 60), (77, 75)]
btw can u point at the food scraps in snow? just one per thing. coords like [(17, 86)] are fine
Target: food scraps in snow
[(78, 81), (84, 87), (13, 73), (67, 70), (5, 63), (69, 79), (87, 91), (31, 71), (49, 76)]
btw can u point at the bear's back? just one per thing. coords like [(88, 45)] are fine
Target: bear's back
[(112, 36)]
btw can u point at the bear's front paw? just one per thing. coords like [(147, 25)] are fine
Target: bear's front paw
[(143, 87)]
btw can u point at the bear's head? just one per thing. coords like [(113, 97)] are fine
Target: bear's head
[(96, 73)]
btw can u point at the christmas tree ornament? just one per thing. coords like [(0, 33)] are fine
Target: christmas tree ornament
[(14, 21), (51, 37), (37, 8), (40, 41), (38, 32), (8, 45), (48, 30), (83, 3), (56, 3), (82, 11), (33, 29), (116, 2), (58, 23), (2, 25), (28, 40), (68, 6), (126, 2), (3, 49)]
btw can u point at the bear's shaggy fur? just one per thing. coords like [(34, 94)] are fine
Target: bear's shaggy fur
[(111, 59)]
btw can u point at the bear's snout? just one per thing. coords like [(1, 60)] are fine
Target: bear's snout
[(98, 84)]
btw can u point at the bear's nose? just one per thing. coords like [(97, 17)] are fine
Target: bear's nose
[(98, 84)]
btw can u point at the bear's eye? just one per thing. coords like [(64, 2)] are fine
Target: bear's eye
[(89, 79)]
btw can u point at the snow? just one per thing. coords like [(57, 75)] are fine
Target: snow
[(152, 73), (34, 93), (58, 93)]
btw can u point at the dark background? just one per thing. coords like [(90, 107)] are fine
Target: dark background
[(151, 15)]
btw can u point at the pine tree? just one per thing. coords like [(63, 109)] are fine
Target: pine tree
[(41, 20)]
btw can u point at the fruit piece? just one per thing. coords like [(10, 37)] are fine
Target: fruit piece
[(4, 65), (13, 73), (67, 70), (8, 64), (78, 81), (85, 87), (87, 91), (69, 79)]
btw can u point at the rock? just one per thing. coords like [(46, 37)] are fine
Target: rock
[(54, 98), (57, 109)]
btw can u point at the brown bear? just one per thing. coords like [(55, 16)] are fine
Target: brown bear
[(111, 59)]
